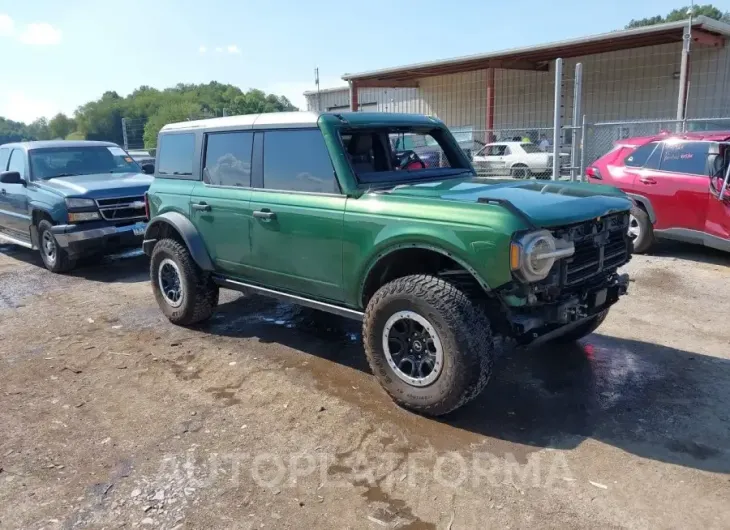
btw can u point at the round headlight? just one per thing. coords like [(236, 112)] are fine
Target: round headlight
[(534, 255)]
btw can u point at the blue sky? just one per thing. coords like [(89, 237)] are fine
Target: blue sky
[(58, 55)]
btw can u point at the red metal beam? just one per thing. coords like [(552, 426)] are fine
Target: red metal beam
[(704, 38), (379, 83)]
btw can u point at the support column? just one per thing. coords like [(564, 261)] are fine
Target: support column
[(490, 104), (354, 104)]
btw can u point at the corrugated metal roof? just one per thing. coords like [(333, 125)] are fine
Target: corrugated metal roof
[(539, 55)]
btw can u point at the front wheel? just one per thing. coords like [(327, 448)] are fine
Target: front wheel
[(429, 346), (185, 293), (54, 257)]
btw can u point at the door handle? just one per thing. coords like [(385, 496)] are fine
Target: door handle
[(201, 206), (3, 191), (647, 180), (266, 215)]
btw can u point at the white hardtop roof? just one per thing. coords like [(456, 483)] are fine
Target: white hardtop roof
[(249, 121)]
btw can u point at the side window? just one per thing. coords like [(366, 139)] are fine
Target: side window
[(298, 161), (176, 153), (17, 162), (496, 150), (685, 157), (655, 157), (507, 151), (640, 155), (4, 156), (228, 159)]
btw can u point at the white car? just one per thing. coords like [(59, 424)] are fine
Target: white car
[(517, 159)]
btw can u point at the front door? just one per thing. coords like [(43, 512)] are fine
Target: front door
[(14, 216), (717, 224), (679, 186), (298, 212), (219, 206)]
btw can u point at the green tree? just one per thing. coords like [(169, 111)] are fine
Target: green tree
[(14, 131), (681, 13), (61, 126), (173, 112), (39, 129)]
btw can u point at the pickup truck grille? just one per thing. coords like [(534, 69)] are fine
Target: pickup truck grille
[(122, 209), (601, 245)]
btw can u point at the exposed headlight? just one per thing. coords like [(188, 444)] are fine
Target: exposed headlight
[(80, 203), (533, 255), (83, 216)]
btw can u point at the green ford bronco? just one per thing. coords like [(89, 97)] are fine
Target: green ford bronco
[(324, 210)]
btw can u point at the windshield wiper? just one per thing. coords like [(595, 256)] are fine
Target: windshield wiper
[(62, 175)]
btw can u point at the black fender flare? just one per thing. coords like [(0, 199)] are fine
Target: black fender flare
[(640, 200), (188, 233)]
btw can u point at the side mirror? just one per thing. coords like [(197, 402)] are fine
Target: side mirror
[(11, 177), (148, 169)]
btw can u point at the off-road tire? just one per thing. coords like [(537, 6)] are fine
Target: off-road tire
[(62, 262), (464, 333), (200, 293), (646, 239), (583, 330)]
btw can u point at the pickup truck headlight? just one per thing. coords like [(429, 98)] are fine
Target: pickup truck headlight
[(80, 203), (83, 216), (534, 254)]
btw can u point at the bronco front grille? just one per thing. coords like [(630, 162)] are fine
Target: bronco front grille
[(122, 209), (601, 245)]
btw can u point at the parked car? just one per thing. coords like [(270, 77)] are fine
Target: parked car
[(428, 150), (71, 199), (314, 209), (679, 184), (143, 158), (516, 159)]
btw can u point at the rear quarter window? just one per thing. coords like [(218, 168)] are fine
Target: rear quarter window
[(640, 155), (176, 153)]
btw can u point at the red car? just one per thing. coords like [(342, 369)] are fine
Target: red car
[(679, 184)]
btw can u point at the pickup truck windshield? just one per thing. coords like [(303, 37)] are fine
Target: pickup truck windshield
[(402, 154), (51, 162)]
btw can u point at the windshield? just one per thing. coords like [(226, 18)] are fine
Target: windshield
[(67, 161), (402, 154), (531, 148)]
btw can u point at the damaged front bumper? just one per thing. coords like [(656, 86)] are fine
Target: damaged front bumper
[(530, 323)]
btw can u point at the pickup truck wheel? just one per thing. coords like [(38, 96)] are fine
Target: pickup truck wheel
[(54, 257), (583, 330), (429, 346), (641, 231), (185, 293)]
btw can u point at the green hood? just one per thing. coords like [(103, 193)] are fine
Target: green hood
[(545, 203)]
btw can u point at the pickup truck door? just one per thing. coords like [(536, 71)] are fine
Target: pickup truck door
[(220, 205), (298, 213), (678, 188), (14, 215)]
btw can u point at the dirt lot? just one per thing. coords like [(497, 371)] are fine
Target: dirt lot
[(268, 418)]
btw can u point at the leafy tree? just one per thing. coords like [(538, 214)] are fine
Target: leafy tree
[(13, 131), (681, 13), (39, 129), (173, 112), (61, 126)]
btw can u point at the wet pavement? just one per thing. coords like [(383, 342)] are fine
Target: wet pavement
[(629, 428)]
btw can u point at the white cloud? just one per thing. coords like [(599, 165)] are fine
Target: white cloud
[(40, 34), (219, 50), (232, 48), (202, 49), (18, 106), (7, 26)]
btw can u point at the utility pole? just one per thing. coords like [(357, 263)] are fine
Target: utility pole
[(319, 96), (684, 72)]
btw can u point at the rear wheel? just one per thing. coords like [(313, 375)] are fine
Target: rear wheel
[(641, 230), (54, 257), (429, 346), (185, 293), (520, 171)]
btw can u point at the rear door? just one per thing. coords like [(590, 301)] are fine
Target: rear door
[(297, 211), (14, 205), (679, 186), (219, 205)]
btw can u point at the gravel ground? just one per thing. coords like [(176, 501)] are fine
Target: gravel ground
[(267, 417)]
